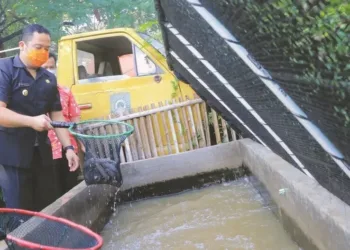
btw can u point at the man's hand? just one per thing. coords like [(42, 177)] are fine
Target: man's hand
[(82, 147), (73, 160), (41, 123)]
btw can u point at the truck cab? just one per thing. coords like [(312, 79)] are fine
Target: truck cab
[(113, 71)]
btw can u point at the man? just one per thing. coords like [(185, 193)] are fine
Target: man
[(50, 64), (27, 93), (71, 112)]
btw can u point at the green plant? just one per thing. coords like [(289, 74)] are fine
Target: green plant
[(199, 137), (194, 144), (210, 118), (182, 128), (345, 113), (175, 86)]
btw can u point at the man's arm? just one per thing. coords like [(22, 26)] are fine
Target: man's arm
[(11, 119), (63, 136), (74, 114), (62, 133)]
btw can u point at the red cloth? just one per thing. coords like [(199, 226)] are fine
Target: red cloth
[(70, 110)]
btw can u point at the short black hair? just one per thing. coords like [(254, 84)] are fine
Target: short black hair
[(53, 56), (28, 31)]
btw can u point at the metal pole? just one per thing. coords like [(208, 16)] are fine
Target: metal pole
[(7, 50)]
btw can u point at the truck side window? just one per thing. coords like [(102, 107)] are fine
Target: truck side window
[(110, 59), (144, 65), (86, 64)]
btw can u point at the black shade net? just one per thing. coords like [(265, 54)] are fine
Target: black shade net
[(303, 45)]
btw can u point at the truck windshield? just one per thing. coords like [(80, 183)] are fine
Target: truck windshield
[(156, 44)]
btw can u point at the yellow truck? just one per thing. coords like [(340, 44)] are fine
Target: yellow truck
[(110, 71)]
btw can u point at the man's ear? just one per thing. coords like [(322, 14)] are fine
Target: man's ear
[(21, 45)]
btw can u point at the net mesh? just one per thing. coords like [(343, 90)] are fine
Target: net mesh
[(304, 45), (102, 141), (35, 229)]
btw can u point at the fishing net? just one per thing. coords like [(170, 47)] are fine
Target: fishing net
[(22, 229), (102, 140), (296, 50)]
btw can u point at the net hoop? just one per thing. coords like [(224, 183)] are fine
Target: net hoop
[(31, 245), (130, 129)]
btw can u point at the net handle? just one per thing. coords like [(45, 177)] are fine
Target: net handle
[(63, 124), (31, 245)]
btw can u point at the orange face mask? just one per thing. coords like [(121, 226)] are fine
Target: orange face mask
[(38, 57)]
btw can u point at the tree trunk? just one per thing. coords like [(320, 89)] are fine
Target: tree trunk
[(10, 37), (2, 55)]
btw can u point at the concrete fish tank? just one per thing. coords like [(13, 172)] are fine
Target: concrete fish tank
[(236, 195)]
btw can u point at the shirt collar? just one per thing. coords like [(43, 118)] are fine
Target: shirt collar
[(41, 71), (18, 63)]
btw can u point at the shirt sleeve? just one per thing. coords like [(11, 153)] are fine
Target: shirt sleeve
[(56, 103), (5, 86), (74, 110)]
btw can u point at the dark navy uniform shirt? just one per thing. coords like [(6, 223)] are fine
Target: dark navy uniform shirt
[(27, 96)]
